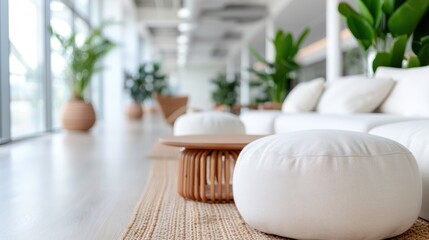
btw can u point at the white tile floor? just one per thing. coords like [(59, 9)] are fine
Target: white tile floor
[(74, 185)]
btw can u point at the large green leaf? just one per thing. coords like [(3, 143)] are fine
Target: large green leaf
[(299, 41), (262, 75), (389, 6), (381, 59), (361, 30), (407, 17), (364, 11), (278, 38), (280, 45), (413, 61), (424, 55), (288, 47), (257, 56), (420, 33), (398, 50), (302, 37), (346, 10), (376, 9)]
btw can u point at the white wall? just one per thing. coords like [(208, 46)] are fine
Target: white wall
[(124, 56), (195, 82)]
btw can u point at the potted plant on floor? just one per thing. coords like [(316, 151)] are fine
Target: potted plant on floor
[(146, 82), (139, 89), (225, 95), (277, 74), (82, 62), (383, 30)]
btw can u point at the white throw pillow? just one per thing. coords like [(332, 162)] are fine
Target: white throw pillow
[(410, 96), (304, 97), (355, 94)]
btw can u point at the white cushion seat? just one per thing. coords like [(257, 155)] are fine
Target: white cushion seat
[(327, 184), (409, 97), (354, 94), (358, 122), (304, 97), (414, 135), (259, 122), (208, 123)]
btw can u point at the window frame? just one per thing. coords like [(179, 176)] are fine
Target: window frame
[(5, 123)]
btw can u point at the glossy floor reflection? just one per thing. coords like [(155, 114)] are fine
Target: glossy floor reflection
[(76, 185)]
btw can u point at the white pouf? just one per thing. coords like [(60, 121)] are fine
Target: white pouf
[(328, 184), (208, 123)]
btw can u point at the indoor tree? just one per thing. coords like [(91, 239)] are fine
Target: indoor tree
[(82, 61), (277, 74)]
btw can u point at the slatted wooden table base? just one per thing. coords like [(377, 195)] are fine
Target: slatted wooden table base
[(206, 175), (206, 165)]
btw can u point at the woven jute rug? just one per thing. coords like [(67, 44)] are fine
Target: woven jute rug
[(160, 151), (162, 214)]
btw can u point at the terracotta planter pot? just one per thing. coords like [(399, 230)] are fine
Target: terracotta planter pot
[(78, 115), (270, 106), (135, 111)]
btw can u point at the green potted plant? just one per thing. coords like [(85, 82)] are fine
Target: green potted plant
[(225, 94), (147, 81), (83, 60), (277, 74), (383, 28)]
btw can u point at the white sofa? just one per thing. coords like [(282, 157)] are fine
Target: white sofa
[(403, 116)]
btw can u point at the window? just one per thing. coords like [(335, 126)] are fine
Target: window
[(61, 21), (25, 67), (32, 78), (82, 7)]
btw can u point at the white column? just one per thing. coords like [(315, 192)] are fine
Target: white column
[(112, 75), (333, 48), (230, 68), (47, 63), (270, 31), (245, 75)]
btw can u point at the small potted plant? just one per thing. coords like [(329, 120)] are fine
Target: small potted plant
[(225, 95), (82, 62), (141, 86)]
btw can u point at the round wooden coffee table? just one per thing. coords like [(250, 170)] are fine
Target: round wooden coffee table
[(206, 164)]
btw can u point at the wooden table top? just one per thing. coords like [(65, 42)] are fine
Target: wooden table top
[(211, 141)]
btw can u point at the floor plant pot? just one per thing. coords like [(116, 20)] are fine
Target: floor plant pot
[(78, 115), (270, 106), (135, 111)]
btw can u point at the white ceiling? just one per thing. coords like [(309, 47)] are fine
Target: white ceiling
[(209, 30)]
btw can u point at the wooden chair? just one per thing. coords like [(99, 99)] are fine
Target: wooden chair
[(172, 107)]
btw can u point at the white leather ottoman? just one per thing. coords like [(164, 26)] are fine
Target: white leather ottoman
[(328, 184), (208, 123)]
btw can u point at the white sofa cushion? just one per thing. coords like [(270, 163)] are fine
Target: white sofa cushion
[(410, 96), (259, 121), (327, 184), (414, 135), (362, 122), (208, 123), (304, 97), (355, 94)]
